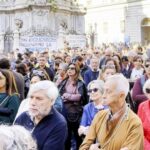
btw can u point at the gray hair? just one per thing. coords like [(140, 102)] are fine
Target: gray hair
[(146, 85), (64, 66), (122, 84), (98, 83), (49, 86), (16, 138)]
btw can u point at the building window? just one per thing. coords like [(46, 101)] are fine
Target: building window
[(122, 26), (105, 27)]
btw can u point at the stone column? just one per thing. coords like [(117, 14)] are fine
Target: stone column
[(16, 40), (2, 42), (61, 39)]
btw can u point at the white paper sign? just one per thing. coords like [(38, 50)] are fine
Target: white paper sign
[(76, 41), (38, 43)]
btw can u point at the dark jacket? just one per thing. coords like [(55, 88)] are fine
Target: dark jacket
[(90, 76), (81, 89), (8, 108), (50, 132)]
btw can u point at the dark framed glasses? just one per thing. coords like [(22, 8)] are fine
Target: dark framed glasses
[(147, 90), (147, 65), (93, 90), (108, 67), (71, 68)]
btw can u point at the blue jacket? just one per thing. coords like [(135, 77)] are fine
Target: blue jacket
[(90, 76), (50, 132)]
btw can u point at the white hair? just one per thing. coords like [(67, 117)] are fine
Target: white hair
[(98, 83), (49, 86), (122, 84), (16, 138), (146, 86)]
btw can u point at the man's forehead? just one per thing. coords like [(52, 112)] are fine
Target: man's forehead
[(109, 84)]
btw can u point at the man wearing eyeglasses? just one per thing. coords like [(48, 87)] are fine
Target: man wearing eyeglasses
[(137, 92), (118, 128)]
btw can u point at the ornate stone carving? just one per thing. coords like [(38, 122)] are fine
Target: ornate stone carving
[(37, 31), (40, 2), (18, 23), (40, 12)]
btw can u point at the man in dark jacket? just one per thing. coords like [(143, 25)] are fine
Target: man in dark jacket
[(43, 64), (93, 72), (48, 127)]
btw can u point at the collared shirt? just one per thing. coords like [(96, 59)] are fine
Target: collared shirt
[(50, 132), (89, 112)]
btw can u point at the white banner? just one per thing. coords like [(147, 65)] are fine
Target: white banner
[(38, 43), (76, 41)]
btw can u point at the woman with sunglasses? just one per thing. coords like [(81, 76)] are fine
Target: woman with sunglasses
[(144, 114), (95, 91), (9, 100), (73, 92)]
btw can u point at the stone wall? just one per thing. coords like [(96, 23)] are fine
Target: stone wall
[(31, 18)]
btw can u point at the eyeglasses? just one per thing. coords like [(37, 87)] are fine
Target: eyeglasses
[(108, 67), (138, 61), (147, 90), (93, 90), (83, 54), (96, 52), (71, 68), (147, 65), (38, 73)]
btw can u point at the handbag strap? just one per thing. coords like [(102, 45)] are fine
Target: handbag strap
[(4, 100)]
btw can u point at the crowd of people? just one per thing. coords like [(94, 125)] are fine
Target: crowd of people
[(95, 99)]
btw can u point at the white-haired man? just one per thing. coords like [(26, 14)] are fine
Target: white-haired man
[(117, 128), (48, 127)]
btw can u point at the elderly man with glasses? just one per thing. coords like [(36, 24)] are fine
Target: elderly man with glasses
[(47, 126), (117, 128)]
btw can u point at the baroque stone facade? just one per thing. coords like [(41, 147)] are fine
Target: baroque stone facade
[(25, 23), (118, 21)]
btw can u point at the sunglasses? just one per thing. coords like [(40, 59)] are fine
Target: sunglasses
[(71, 68), (96, 52), (38, 73), (83, 54), (147, 65), (147, 91), (93, 90)]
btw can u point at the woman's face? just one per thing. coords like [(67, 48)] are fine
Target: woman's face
[(138, 63), (109, 63), (94, 92), (2, 80), (108, 72), (71, 70), (35, 79)]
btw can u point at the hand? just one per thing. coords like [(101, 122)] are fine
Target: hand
[(81, 130), (66, 96), (124, 148), (95, 147)]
